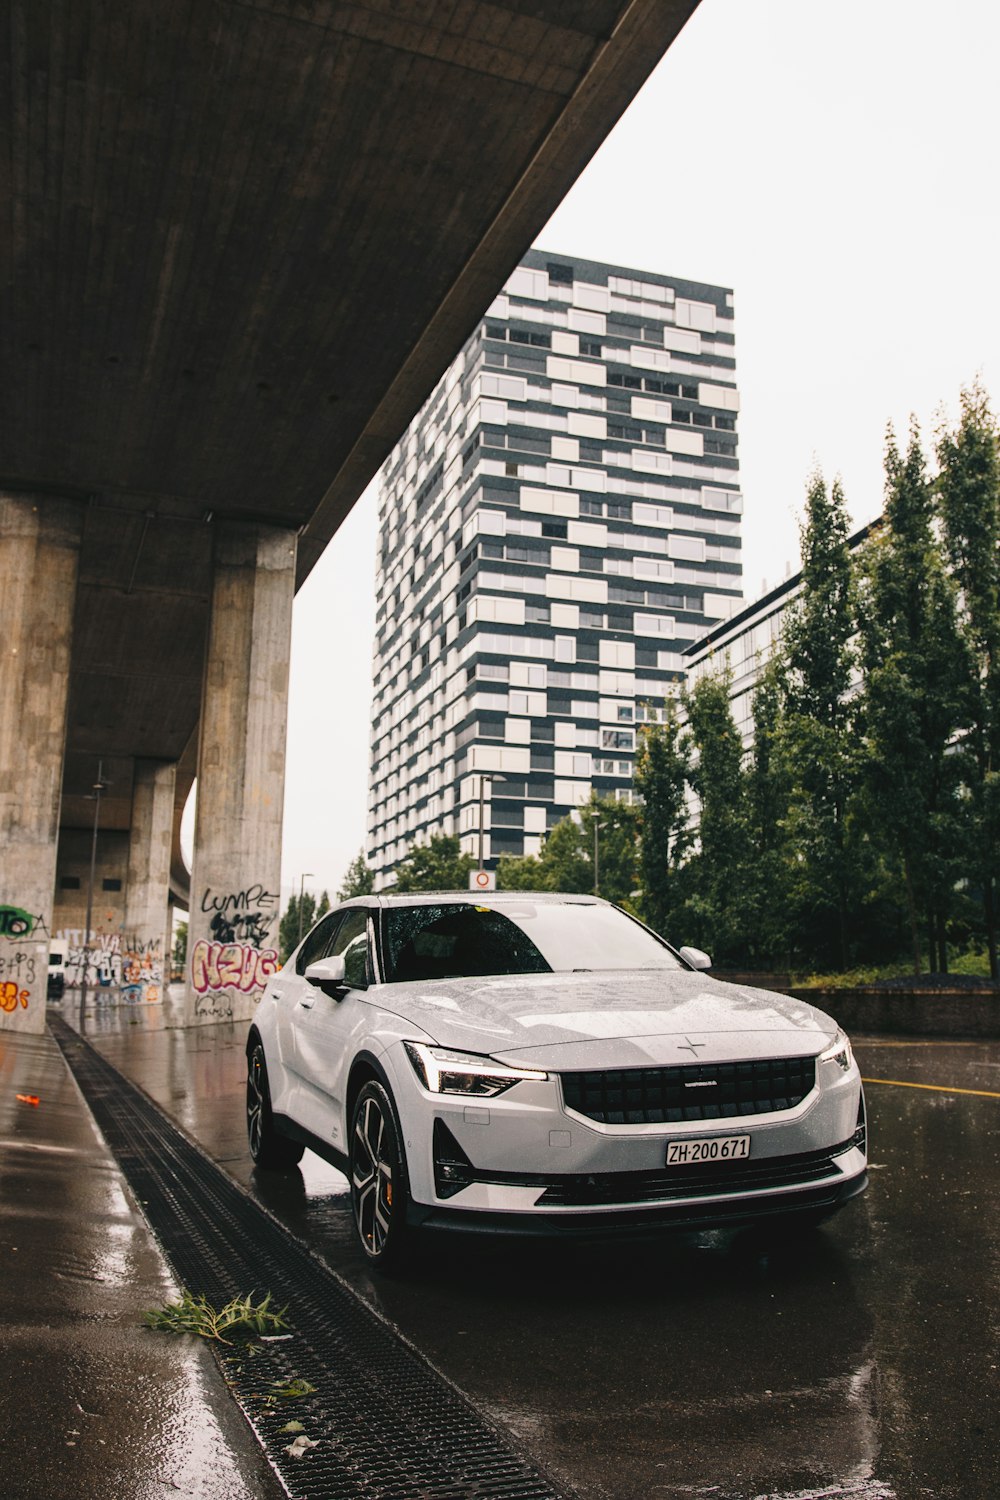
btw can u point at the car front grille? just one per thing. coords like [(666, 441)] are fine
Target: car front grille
[(701, 1091)]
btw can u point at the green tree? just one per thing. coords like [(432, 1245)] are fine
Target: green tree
[(818, 732), (566, 862), (968, 487), (771, 930), (521, 872), (914, 703), (662, 767), (358, 880), (180, 945), (299, 917), (438, 865), (616, 847), (717, 871)]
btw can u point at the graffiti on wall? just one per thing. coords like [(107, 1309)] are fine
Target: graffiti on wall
[(11, 996), (238, 958), (16, 923), (241, 916), (19, 963), (115, 961), (18, 966), (235, 966)]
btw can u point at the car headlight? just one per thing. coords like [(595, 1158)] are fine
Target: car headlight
[(839, 1052), (444, 1072)]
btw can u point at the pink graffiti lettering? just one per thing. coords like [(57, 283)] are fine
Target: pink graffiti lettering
[(11, 996), (231, 966)]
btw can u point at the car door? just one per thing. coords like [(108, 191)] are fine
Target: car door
[(325, 1025), (290, 987)]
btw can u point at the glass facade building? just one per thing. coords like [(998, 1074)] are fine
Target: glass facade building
[(557, 526)]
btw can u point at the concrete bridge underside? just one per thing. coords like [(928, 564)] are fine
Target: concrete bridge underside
[(243, 239)]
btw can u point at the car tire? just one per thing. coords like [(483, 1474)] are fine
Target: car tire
[(269, 1150), (379, 1191)]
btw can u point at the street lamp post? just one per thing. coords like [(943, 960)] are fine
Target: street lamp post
[(596, 822), (99, 786), (483, 778), (302, 884)]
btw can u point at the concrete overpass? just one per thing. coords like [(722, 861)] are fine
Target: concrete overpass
[(242, 240)]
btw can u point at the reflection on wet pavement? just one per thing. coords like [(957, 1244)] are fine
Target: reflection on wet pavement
[(91, 1403), (860, 1360)]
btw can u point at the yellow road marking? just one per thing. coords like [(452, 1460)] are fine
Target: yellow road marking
[(935, 1088)]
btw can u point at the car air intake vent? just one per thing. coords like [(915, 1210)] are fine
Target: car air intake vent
[(703, 1091)]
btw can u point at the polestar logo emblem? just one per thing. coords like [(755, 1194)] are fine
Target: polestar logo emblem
[(688, 1046)]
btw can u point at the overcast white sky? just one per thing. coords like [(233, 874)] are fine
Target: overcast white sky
[(836, 165)]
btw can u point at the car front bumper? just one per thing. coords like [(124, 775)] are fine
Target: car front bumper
[(525, 1163)]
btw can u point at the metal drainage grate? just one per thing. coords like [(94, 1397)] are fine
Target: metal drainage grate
[(387, 1426)]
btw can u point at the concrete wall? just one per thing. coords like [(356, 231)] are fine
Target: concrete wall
[(235, 879), (39, 560)]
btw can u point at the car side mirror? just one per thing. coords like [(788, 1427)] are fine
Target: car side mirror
[(695, 958), (328, 975)]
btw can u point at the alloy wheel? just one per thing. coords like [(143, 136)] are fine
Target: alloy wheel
[(372, 1175), (256, 1101)]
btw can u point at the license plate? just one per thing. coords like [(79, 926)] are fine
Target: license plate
[(711, 1148)]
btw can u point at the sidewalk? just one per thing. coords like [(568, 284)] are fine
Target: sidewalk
[(91, 1402)]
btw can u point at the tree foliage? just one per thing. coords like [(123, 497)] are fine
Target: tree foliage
[(914, 703), (299, 916), (566, 862), (718, 867), (969, 489), (818, 731), (179, 954), (438, 865), (771, 932), (662, 768), (358, 878)]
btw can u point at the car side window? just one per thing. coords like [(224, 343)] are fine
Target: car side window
[(317, 944), (352, 942)]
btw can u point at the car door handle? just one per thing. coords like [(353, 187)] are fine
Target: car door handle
[(308, 1000)]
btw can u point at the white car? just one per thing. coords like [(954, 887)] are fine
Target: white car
[(545, 1063)]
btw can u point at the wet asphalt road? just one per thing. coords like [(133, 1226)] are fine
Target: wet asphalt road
[(861, 1360)]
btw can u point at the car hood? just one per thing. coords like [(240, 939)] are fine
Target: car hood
[(611, 1019)]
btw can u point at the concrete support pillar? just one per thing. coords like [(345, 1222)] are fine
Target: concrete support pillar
[(146, 934), (39, 559), (236, 868)]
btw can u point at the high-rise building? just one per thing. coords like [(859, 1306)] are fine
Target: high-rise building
[(557, 525)]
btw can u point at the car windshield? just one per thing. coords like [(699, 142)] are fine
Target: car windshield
[(455, 939)]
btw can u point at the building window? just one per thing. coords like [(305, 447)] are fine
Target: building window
[(111, 885), (69, 883)]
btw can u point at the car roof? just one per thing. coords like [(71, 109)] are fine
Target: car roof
[(499, 898)]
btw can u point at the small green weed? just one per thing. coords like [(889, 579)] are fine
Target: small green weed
[(197, 1315), (291, 1389)]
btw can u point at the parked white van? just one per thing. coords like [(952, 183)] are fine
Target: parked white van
[(58, 953)]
